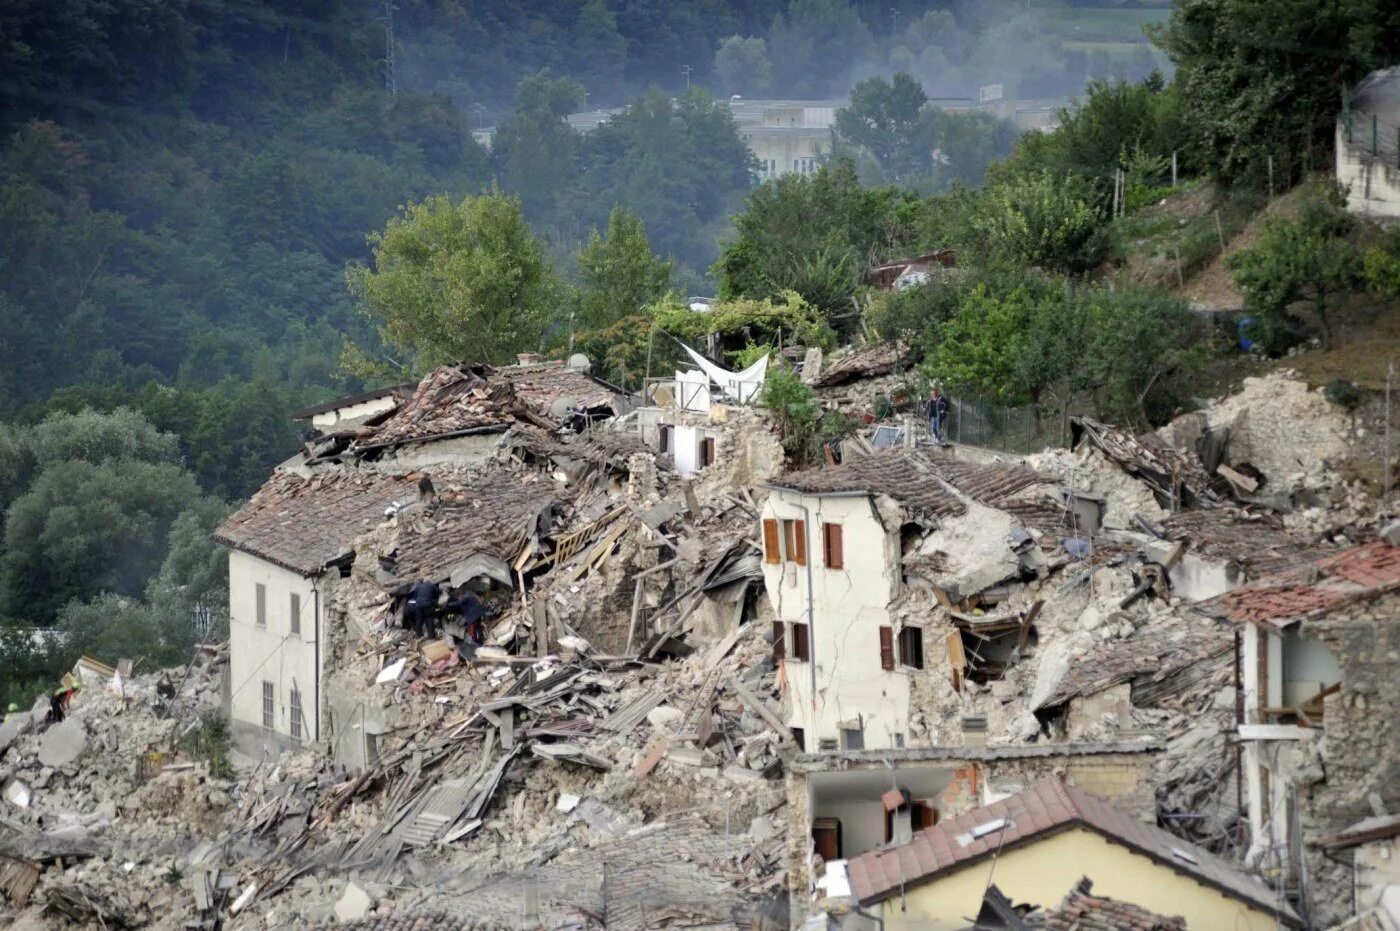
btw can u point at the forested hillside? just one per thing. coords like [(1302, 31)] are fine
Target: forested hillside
[(185, 184)]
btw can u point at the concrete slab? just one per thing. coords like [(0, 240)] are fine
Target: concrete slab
[(63, 743), (355, 903)]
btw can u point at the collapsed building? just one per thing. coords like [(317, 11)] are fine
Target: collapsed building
[(690, 688)]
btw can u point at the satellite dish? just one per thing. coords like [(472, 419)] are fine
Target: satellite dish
[(561, 407), (579, 362)]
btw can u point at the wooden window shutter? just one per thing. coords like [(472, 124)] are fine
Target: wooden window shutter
[(887, 648), (800, 544), (779, 647), (800, 647), (831, 546), (771, 551)]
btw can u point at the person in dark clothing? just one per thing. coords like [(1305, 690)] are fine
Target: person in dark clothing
[(936, 408), (470, 610), (55, 709), (420, 611)]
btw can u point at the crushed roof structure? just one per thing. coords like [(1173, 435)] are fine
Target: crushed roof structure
[(1043, 810), (868, 362), (544, 385), (886, 274), (452, 401), (303, 524), (1313, 589), (1151, 655), (1257, 544), (597, 446), (398, 392), (487, 513), (930, 482), (1175, 478), (1081, 910)]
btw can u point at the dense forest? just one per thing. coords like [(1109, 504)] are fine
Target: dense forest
[(206, 206)]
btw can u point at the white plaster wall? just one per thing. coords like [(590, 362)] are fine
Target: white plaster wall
[(459, 450), (1373, 187), (352, 413), (862, 824), (850, 605), (685, 449), (273, 653)]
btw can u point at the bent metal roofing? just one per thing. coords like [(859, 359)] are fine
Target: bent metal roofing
[(303, 524), (1046, 808)]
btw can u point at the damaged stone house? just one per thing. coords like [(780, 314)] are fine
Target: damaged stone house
[(293, 542), (1320, 722)]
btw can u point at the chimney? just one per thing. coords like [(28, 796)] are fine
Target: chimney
[(528, 358)]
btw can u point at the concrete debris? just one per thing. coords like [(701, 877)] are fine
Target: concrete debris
[(353, 904), (63, 743)]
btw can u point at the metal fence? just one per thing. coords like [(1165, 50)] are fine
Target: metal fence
[(974, 421)]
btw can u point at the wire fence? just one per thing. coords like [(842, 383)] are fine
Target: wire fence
[(975, 421)]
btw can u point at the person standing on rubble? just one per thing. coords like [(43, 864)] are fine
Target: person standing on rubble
[(936, 407), (420, 611)]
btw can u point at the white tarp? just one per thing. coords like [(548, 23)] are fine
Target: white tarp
[(740, 386), (693, 389)]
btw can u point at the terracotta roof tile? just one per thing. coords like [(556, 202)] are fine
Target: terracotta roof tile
[(1155, 651), (543, 384), (302, 524), (452, 400), (932, 482), (1047, 807), (489, 512), (1081, 911), (1288, 596)]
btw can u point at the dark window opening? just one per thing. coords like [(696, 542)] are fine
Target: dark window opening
[(707, 452), (911, 647), (801, 648), (799, 735), (665, 446)]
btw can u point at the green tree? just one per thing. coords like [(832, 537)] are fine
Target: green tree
[(816, 231), (457, 281), (742, 66), (1263, 78), (535, 150), (1307, 261), (1016, 347), (618, 272), (86, 527), (888, 119), (1041, 220), (1139, 345)]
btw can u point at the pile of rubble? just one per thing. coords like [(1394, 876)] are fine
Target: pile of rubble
[(101, 807)]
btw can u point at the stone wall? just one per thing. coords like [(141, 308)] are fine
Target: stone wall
[(1359, 753)]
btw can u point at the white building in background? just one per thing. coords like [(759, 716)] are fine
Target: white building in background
[(1368, 146)]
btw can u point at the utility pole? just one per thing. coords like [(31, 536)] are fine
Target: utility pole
[(479, 110), (1385, 479), (391, 80), (685, 70), (894, 18)]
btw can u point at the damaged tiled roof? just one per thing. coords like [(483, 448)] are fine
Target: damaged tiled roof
[(1154, 652), (1044, 809), (491, 512), (542, 384), (595, 445), (302, 524), (879, 359), (1285, 597), (452, 401), (1082, 911), (1257, 543), (415, 921), (1175, 478), (927, 481)]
